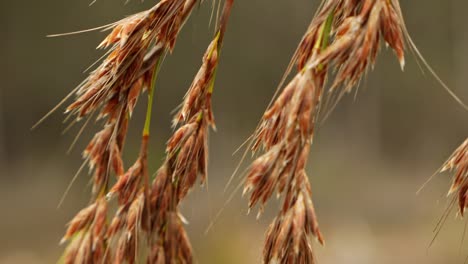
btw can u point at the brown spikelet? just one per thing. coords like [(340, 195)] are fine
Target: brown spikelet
[(285, 133), (128, 183), (292, 230), (157, 255), (458, 163), (81, 220), (177, 247), (71, 251), (99, 224), (86, 233), (391, 29), (126, 249)]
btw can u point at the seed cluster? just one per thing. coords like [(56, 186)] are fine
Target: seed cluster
[(186, 159), (458, 163), (147, 213), (344, 37)]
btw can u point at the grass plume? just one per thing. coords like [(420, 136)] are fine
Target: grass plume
[(458, 164), (343, 37), (137, 45)]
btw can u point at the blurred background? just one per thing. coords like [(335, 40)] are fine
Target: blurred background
[(367, 162)]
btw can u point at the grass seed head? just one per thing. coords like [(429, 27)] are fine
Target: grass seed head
[(458, 163)]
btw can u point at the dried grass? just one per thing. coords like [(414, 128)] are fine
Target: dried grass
[(458, 164), (147, 214), (344, 37), (340, 45)]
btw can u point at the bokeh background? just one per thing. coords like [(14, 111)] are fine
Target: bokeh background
[(367, 162)]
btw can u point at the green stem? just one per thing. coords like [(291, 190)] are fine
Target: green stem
[(326, 31), (212, 81), (324, 38), (149, 110)]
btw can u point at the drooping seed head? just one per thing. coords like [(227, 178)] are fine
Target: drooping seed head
[(458, 163)]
